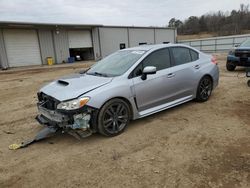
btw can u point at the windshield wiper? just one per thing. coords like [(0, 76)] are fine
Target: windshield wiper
[(83, 71), (101, 74), (98, 74)]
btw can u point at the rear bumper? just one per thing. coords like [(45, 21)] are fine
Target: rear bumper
[(238, 61), (215, 73)]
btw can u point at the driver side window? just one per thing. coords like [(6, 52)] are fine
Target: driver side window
[(138, 70), (159, 59)]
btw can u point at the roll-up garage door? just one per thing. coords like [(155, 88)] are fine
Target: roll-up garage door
[(22, 47), (80, 39)]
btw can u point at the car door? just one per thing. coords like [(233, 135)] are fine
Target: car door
[(155, 89), (186, 66)]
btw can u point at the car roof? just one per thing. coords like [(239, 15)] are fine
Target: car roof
[(147, 47)]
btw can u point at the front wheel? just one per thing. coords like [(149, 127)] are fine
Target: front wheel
[(204, 89), (113, 117)]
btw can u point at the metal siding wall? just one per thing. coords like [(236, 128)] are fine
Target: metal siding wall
[(3, 55), (164, 35), (141, 35), (110, 39), (96, 43), (61, 44), (46, 45)]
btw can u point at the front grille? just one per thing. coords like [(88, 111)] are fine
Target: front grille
[(47, 101), (242, 54)]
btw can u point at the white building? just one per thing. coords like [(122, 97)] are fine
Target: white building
[(23, 44)]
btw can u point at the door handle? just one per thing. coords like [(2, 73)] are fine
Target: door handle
[(197, 66), (171, 75)]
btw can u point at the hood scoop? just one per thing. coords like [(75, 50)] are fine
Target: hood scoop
[(64, 83)]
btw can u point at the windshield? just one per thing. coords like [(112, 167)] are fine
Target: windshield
[(116, 64), (245, 44)]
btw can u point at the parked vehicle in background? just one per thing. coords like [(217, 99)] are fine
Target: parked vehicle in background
[(248, 76), (128, 84), (240, 56)]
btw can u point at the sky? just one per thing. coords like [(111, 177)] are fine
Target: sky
[(111, 12)]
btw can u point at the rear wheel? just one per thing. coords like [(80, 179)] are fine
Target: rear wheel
[(230, 66), (248, 83), (113, 117), (204, 89)]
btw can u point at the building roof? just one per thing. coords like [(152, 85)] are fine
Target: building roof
[(40, 24), (18, 24)]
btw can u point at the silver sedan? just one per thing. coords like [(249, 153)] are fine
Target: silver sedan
[(127, 85)]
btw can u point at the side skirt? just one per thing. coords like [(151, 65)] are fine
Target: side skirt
[(164, 106)]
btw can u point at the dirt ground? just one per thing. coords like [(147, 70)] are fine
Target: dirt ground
[(192, 145)]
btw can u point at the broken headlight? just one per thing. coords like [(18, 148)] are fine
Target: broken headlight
[(73, 104)]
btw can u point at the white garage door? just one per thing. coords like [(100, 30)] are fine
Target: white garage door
[(80, 39), (22, 47)]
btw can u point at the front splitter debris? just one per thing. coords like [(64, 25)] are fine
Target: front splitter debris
[(44, 133)]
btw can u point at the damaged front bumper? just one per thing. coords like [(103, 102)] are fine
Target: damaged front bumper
[(78, 124)]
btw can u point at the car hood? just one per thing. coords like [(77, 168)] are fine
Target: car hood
[(73, 86)]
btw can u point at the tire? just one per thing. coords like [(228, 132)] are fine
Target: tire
[(248, 83), (230, 66), (204, 89), (113, 117)]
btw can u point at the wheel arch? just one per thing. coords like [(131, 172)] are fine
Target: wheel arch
[(206, 75), (198, 83), (125, 100)]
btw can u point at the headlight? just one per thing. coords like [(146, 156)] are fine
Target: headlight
[(73, 104)]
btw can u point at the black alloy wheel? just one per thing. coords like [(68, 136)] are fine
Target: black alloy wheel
[(204, 89), (113, 117)]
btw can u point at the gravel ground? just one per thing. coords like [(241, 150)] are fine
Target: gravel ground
[(192, 145)]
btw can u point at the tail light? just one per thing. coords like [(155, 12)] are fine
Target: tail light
[(214, 61)]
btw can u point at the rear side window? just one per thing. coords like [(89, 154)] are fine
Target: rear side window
[(159, 59), (181, 55), (194, 55)]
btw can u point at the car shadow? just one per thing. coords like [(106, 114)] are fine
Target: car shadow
[(159, 115)]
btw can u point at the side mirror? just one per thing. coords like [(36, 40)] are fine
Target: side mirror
[(148, 70), (236, 45)]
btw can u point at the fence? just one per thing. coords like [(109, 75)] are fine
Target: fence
[(216, 44)]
